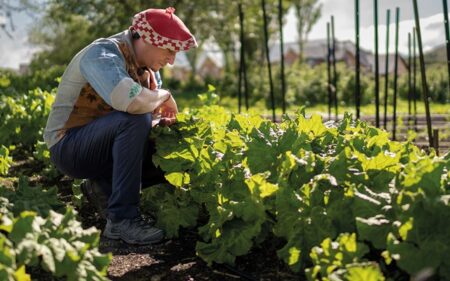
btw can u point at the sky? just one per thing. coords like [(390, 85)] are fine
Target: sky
[(18, 50), (430, 13)]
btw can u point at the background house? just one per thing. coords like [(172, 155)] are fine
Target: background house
[(316, 52), (210, 62)]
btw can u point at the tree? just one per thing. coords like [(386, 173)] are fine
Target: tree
[(308, 13), (7, 11)]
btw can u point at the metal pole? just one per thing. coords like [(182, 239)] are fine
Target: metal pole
[(333, 38), (436, 140), (409, 78), (414, 79), (266, 39), (447, 38), (377, 74), (244, 64), (240, 86), (329, 71), (394, 118), (240, 62), (386, 80), (283, 81), (423, 75), (357, 66)]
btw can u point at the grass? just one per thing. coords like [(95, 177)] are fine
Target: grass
[(190, 100)]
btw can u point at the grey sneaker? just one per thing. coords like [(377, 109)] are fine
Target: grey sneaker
[(95, 195), (133, 231)]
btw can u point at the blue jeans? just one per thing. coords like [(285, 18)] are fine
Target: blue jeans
[(114, 150)]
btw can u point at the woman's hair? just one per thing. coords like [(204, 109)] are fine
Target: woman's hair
[(134, 34)]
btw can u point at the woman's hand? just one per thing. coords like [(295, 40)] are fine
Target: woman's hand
[(167, 111)]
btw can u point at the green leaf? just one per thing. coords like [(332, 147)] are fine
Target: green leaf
[(178, 179), (259, 186), (364, 272), (22, 226), (21, 274), (374, 229)]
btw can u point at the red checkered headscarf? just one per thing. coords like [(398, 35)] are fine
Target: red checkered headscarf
[(163, 29)]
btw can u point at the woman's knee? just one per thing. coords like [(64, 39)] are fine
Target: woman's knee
[(137, 121)]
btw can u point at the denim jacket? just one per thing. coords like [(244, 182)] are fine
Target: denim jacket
[(102, 77)]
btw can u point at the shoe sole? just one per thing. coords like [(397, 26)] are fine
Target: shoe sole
[(134, 242)]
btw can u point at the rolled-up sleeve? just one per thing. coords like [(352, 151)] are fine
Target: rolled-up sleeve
[(103, 66)]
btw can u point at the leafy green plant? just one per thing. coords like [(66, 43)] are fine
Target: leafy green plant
[(58, 244), (210, 97), (37, 236), (77, 194), (22, 117), (8, 268), (342, 259), (27, 198), (241, 180), (5, 160), (42, 154)]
